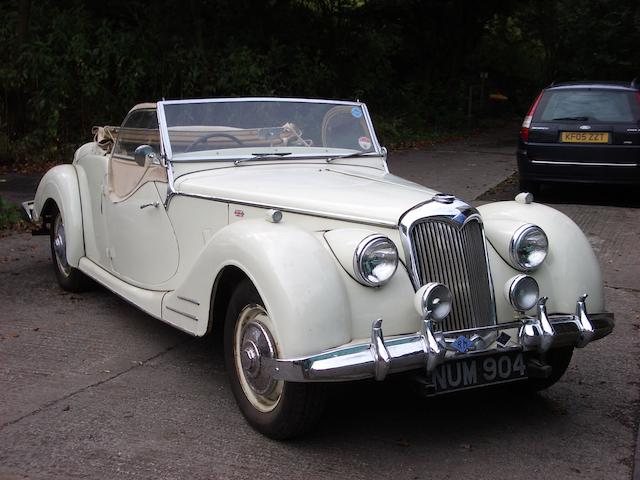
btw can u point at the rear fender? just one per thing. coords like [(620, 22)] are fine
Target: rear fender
[(60, 186)]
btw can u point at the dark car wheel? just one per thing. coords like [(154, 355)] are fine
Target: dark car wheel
[(69, 278), (559, 360), (276, 408), (530, 186)]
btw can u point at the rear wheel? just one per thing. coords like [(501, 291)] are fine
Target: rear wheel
[(276, 408), (69, 278)]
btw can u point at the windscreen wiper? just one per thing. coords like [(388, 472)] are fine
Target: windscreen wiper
[(577, 119), (348, 155), (262, 155)]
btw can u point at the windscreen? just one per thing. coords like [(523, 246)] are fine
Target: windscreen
[(251, 127), (589, 105)]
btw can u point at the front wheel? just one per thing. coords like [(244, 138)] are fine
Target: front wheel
[(69, 278), (276, 408)]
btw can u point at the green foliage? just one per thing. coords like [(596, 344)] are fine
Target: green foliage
[(9, 215), (83, 63)]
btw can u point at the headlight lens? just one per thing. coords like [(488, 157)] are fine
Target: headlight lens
[(375, 260), (529, 247), (523, 292)]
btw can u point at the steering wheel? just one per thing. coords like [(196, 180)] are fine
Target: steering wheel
[(204, 138)]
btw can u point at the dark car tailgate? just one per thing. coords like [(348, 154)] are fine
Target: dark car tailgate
[(622, 145)]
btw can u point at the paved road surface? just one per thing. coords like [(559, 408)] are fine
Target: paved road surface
[(92, 388)]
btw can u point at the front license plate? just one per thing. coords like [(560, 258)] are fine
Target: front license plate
[(584, 137), (477, 371)]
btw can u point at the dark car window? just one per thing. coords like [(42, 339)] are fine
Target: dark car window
[(588, 105)]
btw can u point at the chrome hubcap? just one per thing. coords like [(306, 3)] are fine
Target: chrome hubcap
[(256, 344), (60, 247), (252, 344)]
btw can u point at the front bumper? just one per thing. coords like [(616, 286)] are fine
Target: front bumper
[(430, 348)]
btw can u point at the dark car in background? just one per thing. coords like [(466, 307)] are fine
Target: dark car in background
[(581, 132)]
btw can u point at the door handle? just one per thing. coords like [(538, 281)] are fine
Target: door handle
[(153, 204)]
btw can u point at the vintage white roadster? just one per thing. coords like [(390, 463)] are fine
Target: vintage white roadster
[(277, 222)]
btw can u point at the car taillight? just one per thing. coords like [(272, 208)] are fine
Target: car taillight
[(524, 130)]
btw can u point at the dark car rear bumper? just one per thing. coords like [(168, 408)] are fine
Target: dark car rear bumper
[(575, 171)]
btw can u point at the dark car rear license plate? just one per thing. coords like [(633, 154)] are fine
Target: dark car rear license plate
[(584, 137), (478, 371)]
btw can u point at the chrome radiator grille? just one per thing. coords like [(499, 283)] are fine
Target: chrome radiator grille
[(455, 257)]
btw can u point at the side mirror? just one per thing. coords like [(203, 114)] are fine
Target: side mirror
[(144, 155)]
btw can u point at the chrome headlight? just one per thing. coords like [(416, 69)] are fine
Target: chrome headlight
[(528, 248), (523, 292), (375, 260)]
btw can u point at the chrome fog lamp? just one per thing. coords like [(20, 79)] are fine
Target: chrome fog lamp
[(528, 248), (523, 292), (435, 299), (375, 260)]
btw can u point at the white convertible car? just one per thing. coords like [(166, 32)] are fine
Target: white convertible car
[(276, 221)]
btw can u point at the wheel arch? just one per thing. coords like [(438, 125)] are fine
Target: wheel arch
[(59, 190), (294, 273), (225, 283)]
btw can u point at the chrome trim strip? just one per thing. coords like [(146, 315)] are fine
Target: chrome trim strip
[(300, 211), (260, 99), (188, 315), (593, 164), (504, 326), (189, 300), (372, 131), (241, 160), (165, 144)]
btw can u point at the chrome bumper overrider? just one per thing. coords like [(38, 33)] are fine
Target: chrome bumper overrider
[(429, 348)]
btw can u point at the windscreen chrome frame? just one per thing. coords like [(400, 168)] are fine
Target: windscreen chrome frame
[(166, 142)]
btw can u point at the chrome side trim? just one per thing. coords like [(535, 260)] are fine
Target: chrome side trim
[(300, 211), (427, 349), (593, 164), (188, 300), (188, 315)]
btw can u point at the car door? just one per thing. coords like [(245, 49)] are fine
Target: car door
[(142, 246)]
